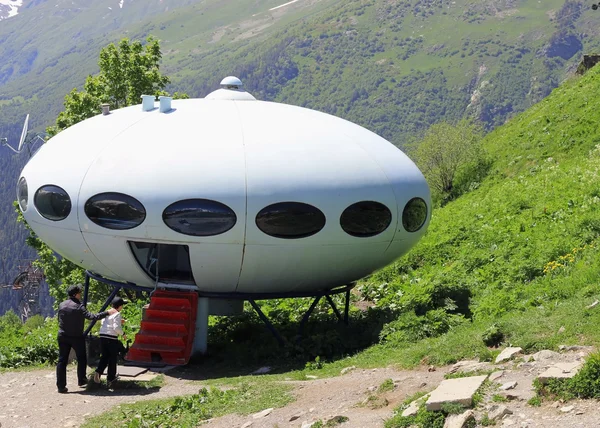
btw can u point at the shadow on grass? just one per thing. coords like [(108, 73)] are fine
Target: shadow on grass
[(122, 387), (238, 346)]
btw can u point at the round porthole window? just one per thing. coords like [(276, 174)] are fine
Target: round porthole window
[(199, 217), (52, 202), (115, 211), (366, 218), (414, 214), (22, 194), (290, 220)]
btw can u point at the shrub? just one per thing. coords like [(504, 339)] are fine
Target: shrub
[(423, 419), (27, 344), (585, 384), (492, 336), (33, 323)]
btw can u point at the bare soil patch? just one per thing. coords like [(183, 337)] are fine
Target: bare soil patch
[(30, 399)]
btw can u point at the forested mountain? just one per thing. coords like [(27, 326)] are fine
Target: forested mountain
[(393, 66), (396, 66)]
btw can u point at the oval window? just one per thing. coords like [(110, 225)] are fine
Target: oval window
[(290, 220), (414, 214), (22, 193), (199, 217), (52, 202), (364, 219), (115, 211)]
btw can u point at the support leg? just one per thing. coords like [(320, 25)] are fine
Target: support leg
[(104, 306), (335, 309), (270, 326), (201, 335), (347, 308), (307, 315), (86, 289)]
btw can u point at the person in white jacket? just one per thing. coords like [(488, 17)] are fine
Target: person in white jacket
[(110, 331)]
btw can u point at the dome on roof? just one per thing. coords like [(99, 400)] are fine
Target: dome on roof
[(232, 81)]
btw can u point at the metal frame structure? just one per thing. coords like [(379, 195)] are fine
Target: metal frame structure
[(28, 281), (250, 297)]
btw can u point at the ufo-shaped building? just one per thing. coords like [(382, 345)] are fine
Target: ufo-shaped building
[(226, 195)]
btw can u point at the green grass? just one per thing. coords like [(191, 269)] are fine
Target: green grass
[(459, 375), (246, 398), (497, 398), (386, 386)]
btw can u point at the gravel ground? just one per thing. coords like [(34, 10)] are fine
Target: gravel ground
[(29, 399)]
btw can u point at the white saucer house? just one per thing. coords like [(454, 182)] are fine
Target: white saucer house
[(224, 196)]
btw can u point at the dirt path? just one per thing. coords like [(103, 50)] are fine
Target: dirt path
[(323, 399), (29, 399)]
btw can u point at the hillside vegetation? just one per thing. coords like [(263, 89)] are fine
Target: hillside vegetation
[(511, 261), (393, 66), (519, 252)]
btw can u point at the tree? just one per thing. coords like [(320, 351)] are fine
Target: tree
[(127, 71), (445, 151)]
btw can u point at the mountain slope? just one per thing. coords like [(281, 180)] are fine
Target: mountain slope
[(392, 66), (523, 245), (397, 66)]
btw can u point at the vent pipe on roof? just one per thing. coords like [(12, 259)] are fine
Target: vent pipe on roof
[(165, 104), (105, 109), (147, 102)]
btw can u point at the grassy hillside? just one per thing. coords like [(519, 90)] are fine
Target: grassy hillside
[(524, 243)]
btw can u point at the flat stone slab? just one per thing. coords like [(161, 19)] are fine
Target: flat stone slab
[(498, 411), (507, 354), (496, 375), (129, 371), (560, 371), (546, 356), (459, 421), (414, 406), (471, 366), (262, 414), (455, 391)]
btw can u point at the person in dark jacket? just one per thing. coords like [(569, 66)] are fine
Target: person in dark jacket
[(71, 316)]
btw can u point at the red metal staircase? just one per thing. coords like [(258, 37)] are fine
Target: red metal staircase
[(167, 331)]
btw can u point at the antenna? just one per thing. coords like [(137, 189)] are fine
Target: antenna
[(23, 133), (23, 141)]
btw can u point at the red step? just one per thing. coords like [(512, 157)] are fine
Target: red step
[(172, 303), (167, 315), (160, 339), (158, 348), (163, 326), (144, 356), (167, 330)]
